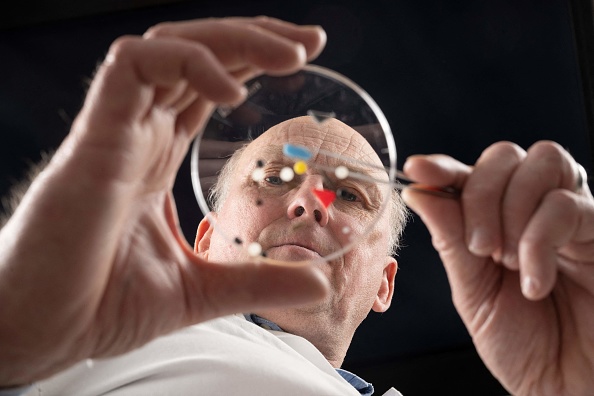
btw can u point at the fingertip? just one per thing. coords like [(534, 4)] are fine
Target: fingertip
[(538, 277), (412, 166), (241, 95), (408, 196), (292, 286), (294, 63), (510, 259), (228, 91), (293, 58), (427, 206), (411, 160), (313, 37), (550, 228), (323, 36), (301, 53), (497, 254), (320, 41), (480, 243), (321, 285), (531, 288), (254, 286), (431, 161)]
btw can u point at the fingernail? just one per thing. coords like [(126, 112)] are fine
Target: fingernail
[(301, 52), (496, 255), (510, 260), (407, 161), (480, 243), (529, 287), (243, 93), (317, 28)]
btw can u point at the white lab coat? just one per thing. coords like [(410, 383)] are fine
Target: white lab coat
[(225, 356)]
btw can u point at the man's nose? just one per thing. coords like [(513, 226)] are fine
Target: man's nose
[(305, 204)]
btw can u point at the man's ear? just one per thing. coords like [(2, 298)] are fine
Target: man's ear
[(386, 289), (203, 234)]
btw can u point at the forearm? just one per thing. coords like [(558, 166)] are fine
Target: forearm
[(39, 304), (16, 193), (10, 383)]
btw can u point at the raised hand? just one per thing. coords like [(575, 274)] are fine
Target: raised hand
[(92, 263), (518, 248)]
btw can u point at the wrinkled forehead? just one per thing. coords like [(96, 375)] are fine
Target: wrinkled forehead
[(331, 136)]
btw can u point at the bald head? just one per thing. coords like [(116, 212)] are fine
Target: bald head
[(331, 135)]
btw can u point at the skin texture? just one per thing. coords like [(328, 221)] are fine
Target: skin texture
[(518, 251), (92, 263), (360, 280)]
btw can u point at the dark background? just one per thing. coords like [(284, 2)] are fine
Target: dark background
[(451, 76)]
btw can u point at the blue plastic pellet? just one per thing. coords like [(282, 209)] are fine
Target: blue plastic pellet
[(294, 151)]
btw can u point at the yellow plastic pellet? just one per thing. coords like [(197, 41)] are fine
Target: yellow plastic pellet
[(300, 167)]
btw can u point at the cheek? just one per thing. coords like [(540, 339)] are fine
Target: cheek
[(246, 218), (348, 228), (356, 284), (364, 262)]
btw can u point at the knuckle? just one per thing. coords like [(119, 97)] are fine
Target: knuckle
[(554, 162), (217, 23), (439, 242), (200, 51), (159, 30), (506, 150), (560, 198), (215, 20), (263, 19), (548, 151), (122, 46)]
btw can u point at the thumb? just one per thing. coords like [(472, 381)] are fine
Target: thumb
[(218, 289)]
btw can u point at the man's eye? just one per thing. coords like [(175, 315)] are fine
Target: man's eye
[(346, 195), (274, 180)]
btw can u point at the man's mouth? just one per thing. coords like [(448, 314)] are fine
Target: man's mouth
[(293, 251)]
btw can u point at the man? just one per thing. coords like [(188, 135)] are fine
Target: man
[(93, 264), (291, 224)]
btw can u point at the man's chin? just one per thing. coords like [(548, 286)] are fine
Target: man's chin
[(302, 313), (292, 253)]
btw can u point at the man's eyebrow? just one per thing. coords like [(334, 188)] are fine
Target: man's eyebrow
[(358, 173), (362, 172), (274, 151), (358, 165)]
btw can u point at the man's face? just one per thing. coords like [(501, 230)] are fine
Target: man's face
[(291, 224)]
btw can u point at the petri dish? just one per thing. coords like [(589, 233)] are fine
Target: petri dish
[(356, 182)]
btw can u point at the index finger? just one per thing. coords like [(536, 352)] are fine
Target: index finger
[(482, 196), (266, 43)]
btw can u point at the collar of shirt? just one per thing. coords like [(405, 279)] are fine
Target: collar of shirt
[(363, 387)]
